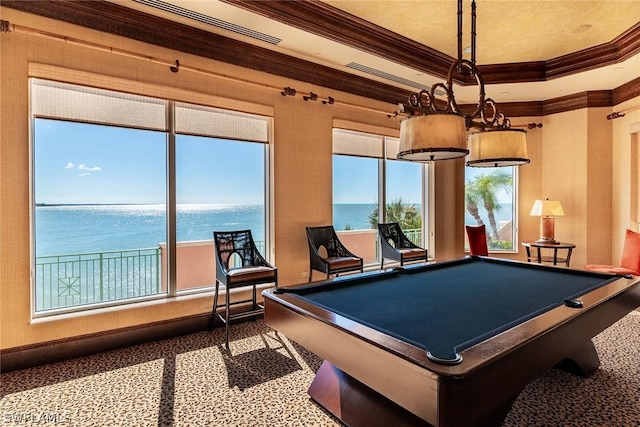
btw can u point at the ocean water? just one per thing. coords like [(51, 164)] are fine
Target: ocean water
[(352, 216), (70, 229)]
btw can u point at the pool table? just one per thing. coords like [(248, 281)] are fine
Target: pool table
[(446, 344)]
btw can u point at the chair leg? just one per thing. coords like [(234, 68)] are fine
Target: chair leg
[(255, 299), (310, 273), (212, 321), (382, 263), (226, 319)]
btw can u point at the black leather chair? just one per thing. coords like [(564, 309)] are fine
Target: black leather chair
[(239, 264), (395, 245), (328, 254)]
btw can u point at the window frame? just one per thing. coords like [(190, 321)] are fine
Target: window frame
[(389, 141), (169, 96), (514, 209)]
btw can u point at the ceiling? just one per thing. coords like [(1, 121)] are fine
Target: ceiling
[(523, 32), (507, 31)]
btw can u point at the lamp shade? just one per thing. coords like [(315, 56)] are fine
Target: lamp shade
[(495, 148), (547, 208), (435, 136)]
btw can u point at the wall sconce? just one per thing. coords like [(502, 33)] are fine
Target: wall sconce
[(547, 210)]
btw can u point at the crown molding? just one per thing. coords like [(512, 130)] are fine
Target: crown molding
[(577, 101), (618, 50), (327, 21), (122, 21), (591, 99), (626, 92)]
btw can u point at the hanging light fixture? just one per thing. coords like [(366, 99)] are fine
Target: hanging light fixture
[(431, 132)]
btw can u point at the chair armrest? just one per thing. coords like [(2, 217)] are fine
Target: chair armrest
[(611, 269)]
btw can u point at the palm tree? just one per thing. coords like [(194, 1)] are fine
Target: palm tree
[(405, 214), (472, 199), (483, 190)]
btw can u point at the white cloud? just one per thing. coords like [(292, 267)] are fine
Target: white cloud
[(87, 168), (83, 167)]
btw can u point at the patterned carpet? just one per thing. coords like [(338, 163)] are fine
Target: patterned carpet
[(193, 381)]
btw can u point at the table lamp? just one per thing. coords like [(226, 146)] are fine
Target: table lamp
[(547, 210)]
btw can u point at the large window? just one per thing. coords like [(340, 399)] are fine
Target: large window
[(107, 214), (490, 199), (355, 192), (221, 183), (370, 186)]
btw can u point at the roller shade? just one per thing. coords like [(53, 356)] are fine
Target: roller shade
[(214, 122), (353, 143), (64, 101)]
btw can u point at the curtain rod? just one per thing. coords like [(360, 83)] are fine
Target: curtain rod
[(176, 66), (617, 114)]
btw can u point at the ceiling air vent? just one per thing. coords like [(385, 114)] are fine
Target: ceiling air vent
[(205, 19), (391, 77)]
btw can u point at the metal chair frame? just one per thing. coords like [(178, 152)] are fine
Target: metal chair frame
[(325, 236), (403, 250), (252, 271)]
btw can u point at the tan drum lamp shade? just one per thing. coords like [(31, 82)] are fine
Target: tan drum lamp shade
[(495, 148), (547, 210), (436, 136)]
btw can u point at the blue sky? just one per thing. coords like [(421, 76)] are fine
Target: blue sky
[(81, 163), (355, 180), (84, 163)]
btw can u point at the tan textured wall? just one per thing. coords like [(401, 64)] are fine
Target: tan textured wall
[(529, 186), (591, 165), (598, 197), (564, 174), (448, 208)]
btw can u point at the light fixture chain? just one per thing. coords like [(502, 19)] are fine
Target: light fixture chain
[(473, 34)]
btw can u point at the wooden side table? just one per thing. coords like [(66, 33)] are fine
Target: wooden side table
[(539, 258)]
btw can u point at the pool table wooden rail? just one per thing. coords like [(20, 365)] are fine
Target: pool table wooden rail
[(387, 372)]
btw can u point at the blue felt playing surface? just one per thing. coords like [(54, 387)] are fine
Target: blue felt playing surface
[(445, 310)]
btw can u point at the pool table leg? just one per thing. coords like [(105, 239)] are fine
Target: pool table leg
[(584, 361), (356, 404)]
